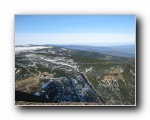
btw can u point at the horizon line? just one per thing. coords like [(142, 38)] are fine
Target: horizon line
[(81, 44)]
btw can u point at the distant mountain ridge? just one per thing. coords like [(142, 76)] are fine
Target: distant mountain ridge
[(121, 51)]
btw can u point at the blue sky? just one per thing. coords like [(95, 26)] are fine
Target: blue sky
[(74, 29)]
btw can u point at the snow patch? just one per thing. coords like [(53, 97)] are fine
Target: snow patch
[(46, 85), (60, 63), (28, 48), (47, 96), (37, 94)]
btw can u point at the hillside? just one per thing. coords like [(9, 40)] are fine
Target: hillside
[(54, 74)]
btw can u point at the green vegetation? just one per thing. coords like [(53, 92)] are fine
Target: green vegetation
[(44, 69), (22, 75)]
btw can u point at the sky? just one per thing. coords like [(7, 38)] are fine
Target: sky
[(75, 29)]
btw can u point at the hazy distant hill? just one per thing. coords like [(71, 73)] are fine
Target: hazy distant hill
[(121, 51)]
